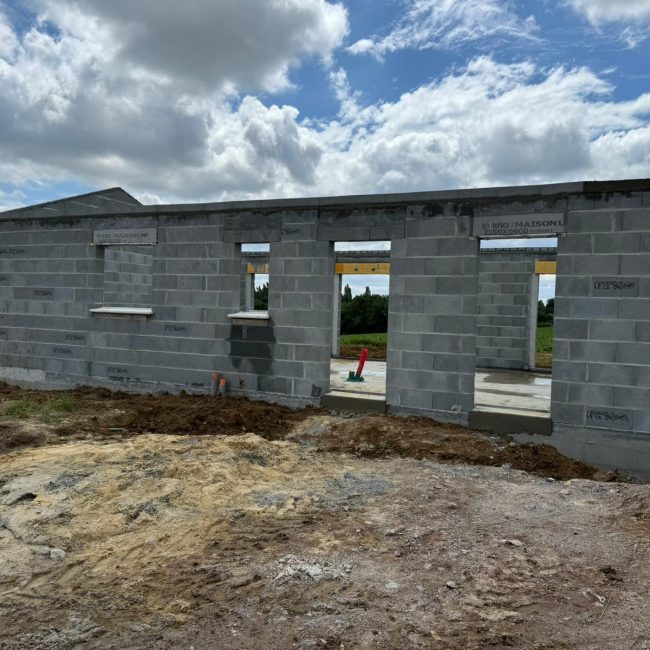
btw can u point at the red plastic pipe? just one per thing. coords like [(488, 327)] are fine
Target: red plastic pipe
[(362, 362)]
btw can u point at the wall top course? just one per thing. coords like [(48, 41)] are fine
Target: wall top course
[(116, 201)]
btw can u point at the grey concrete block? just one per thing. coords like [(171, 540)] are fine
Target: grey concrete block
[(612, 330), (618, 243), (572, 371), (634, 308), (590, 222), (633, 353), (418, 399), (580, 244), (592, 309), (595, 351), (562, 413), (632, 397), (611, 374), (591, 394), (635, 265), (596, 264)]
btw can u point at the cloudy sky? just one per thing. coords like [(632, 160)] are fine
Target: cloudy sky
[(215, 99)]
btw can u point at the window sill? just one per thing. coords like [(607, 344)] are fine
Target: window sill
[(250, 315), (136, 312)]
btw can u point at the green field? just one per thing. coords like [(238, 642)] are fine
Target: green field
[(364, 339), (545, 339), (544, 344)]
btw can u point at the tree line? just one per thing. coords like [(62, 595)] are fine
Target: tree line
[(545, 312), (368, 313), (363, 314)]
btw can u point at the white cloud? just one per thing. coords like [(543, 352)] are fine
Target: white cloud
[(11, 200), (599, 11), (78, 104), (448, 24), (117, 94), (209, 44), (492, 124), (8, 40)]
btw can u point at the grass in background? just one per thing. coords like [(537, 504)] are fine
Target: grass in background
[(544, 344), (364, 339), (50, 412), (545, 338), (544, 356)]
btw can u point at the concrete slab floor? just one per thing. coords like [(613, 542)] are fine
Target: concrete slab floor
[(496, 390)]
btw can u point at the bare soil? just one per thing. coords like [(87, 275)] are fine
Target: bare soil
[(375, 352), (166, 522)]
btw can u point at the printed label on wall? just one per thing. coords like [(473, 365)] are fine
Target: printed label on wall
[(519, 225), (129, 236), (615, 287)]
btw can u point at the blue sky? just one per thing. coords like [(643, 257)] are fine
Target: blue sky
[(217, 100)]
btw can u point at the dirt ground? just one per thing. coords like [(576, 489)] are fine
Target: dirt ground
[(194, 522), (375, 352)]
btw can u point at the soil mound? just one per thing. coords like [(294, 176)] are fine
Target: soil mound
[(200, 415), (375, 437)]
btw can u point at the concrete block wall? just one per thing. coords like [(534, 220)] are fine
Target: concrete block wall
[(49, 277), (506, 325), (601, 367), (301, 273), (127, 275), (432, 319)]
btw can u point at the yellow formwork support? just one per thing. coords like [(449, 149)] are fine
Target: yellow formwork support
[(545, 268), (367, 268), (256, 269)]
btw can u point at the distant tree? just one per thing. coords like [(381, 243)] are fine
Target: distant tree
[(545, 312), (365, 314), (347, 294), (550, 306), (261, 301)]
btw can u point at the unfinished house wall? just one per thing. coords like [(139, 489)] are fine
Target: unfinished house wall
[(59, 325), (601, 370), (432, 318)]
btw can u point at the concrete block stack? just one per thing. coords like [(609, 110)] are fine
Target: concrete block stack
[(432, 319), (506, 281), (127, 275), (301, 272)]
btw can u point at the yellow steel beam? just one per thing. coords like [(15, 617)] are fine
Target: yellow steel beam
[(367, 268), (257, 268), (545, 268)]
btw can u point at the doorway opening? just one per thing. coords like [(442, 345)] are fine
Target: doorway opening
[(514, 327), (360, 318), (541, 347)]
